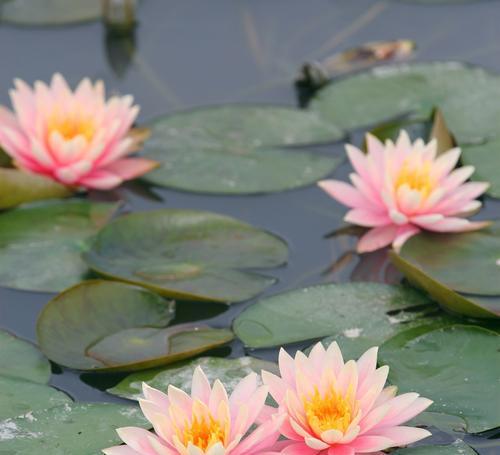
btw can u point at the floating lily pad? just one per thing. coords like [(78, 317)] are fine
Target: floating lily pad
[(229, 371), (239, 149), (76, 429), (18, 397), (466, 95), (485, 158), (21, 360), (476, 306), (187, 254), (17, 187), (457, 448), (467, 262), (41, 243), (49, 12), (458, 367), (102, 325), (358, 315)]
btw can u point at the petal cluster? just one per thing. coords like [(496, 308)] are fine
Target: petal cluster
[(205, 422), (76, 138), (399, 189), (334, 407)]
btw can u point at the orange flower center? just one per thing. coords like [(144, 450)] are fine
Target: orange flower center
[(70, 126), (330, 411), (203, 433), (417, 177)]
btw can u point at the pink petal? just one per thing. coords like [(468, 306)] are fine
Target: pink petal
[(180, 399), (101, 180), (376, 238), (454, 202), (367, 364), (120, 450), (341, 450), (277, 387), (263, 437), (368, 444), (445, 163), (455, 225), (217, 395), (137, 439), (160, 399), (366, 218), (130, 168), (200, 387), (345, 193), (403, 408), (299, 449), (401, 436)]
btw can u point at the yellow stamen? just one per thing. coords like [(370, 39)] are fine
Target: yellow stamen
[(70, 126), (330, 411), (203, 433), (417, 177)]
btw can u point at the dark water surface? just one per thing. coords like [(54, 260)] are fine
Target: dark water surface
[(197, 52)]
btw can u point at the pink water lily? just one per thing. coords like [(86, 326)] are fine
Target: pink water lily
[(341, 408), (205, 422), (401, 188), (76, 138)]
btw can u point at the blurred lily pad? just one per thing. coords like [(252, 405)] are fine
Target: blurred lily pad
[(18, 187), (187, 254), (49, 12), (239, 149), (229, 371), (102, 325), (29, 363), (465, 94), (41, 243), (357, 315), (458, 367), (476, 306), (456, 448), (76, 429), (485, 157)]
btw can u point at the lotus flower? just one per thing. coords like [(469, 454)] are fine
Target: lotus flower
[(337, 408), (400, 189), (207, 422), (76, 138)]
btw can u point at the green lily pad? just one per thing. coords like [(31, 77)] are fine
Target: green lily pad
[(485, 158), (18, 397), (17, 187), (49, 12), (28, 363), (458, 367), (229, 371), (466, 95), (468, 262), (358, 315), (456, 448), (475, 306), (41, 243), (444, 422), (239, 149), (76, 429), (187, 254), (102, 325)]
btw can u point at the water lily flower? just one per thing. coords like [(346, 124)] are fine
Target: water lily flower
[(337, 408), (76, 138), (401, 188), (207, 422)]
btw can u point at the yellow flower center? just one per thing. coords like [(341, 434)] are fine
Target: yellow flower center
[(70, 126), (417, 177), (203, 433), (330, 411)]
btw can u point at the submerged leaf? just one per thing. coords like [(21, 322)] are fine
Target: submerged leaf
[(187, 254), (239, 149)]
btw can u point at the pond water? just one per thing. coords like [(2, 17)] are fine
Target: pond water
[(193, 52)]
